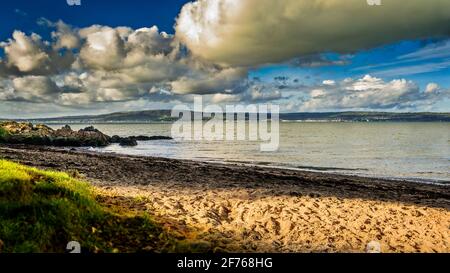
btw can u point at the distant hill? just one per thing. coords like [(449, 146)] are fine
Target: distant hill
[(368, 117), (119, 117), (152, 116)]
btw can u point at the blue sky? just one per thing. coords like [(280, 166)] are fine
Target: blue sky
[(22, 14), (310, 80)]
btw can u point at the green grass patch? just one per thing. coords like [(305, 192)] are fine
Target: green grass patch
[(41, 211), (3, 134)]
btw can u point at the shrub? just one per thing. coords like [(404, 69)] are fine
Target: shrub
[(3, 134)]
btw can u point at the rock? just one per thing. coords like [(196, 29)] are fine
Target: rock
[(43, 129), (27, 133), (115, 139), (147, 138), (128, 141), (93, 137), (66, 128), (40, 134), (17, 128), (89, 129)]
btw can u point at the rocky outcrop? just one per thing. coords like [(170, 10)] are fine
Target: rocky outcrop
[(88, 136), (26, 133), (149, 138), (133, 140)]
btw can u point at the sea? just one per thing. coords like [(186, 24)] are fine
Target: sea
[(414, 151)]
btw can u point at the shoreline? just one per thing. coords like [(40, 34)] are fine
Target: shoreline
[(281, 166), (308, 169), (260, 209), (358, 180)]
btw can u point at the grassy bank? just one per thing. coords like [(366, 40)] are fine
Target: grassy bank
[(3, 134), (41, 211)]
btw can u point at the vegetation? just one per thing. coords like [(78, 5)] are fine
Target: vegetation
[(3, 134), (41, 211)]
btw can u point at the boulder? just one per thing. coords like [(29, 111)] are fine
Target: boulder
[(132, 140), (115, 139), (93, 137), (128, 141)]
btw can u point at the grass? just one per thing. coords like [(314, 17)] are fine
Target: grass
[(41, 211), (3, 134)]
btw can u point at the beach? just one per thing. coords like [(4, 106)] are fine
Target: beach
[(241, 208)]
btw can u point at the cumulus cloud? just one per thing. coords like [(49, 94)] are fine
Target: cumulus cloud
[(226, 80), (26, 53), (104, 49), (372, 93), (65, 36), (105, 64), (35, 89), (255, 92), (254, 32), (138, 61), (30, 55)]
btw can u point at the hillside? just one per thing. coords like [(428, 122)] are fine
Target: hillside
[(151, 116)]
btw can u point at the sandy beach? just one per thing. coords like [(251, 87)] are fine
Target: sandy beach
[(255, 209)]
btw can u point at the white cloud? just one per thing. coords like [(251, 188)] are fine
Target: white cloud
[(113, 64), (6, 91), (104, 49), (254, 93), (226, 80), (373, 93), (317, 93), (30, 55), (26, 53), (329, 82), (260, 93), (124, 64), (35, 89), (65, 36), (253, 32), (225, 98), (432, 87)]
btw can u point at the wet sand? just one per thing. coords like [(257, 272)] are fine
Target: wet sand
[(254, 209)]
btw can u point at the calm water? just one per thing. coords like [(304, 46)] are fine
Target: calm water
[(419, 151)]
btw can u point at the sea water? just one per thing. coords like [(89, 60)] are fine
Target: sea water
[(415, 151)]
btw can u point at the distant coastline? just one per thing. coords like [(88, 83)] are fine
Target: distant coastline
[(164, 116)]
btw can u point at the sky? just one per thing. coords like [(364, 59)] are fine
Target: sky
[(104, 56)]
